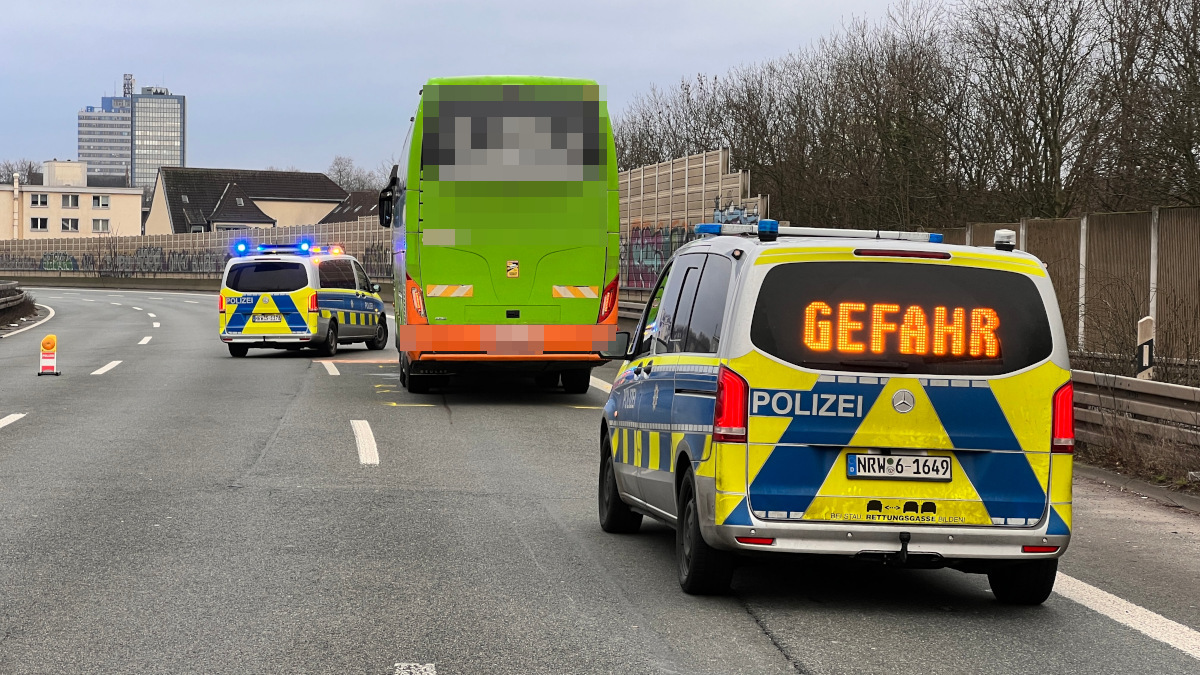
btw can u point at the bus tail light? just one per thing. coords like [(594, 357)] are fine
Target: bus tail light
[(1062, 435), (418, 299), (608, 300), (732, 409)]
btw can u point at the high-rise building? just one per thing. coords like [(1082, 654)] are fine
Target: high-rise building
[(158, 129), (104, 140)]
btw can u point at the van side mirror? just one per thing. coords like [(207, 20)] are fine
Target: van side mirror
[(619, 347), (375, 288), (387, 198)]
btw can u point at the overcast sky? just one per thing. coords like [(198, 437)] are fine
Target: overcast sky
[(295, 83)]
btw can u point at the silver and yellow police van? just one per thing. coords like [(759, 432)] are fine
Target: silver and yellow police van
[(290, 297), (875, 395)]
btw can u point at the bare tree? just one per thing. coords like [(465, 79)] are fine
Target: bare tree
[(22, 167), (350, 177)]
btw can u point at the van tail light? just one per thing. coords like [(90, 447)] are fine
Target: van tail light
[(312, 304), (221, 303), (1062, 436), (732, 409), (608, 300)]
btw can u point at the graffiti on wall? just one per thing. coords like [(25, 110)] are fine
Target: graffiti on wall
[(647, 248)]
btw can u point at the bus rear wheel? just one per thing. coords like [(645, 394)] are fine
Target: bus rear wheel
[(577, 381)]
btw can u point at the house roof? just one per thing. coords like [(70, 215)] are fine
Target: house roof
[(355, 205), (235, 206), (193, 194)]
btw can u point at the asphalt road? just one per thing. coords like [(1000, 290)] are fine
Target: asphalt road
[(187, 512)]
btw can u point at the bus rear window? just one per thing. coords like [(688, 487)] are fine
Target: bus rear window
[(524, 137), (267, 277), (902, 318)]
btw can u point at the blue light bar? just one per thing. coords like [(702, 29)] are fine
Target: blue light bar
[(708, 228), (304, 246), (767, 225), (935, 238)]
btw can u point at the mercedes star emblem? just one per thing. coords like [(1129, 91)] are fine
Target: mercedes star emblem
[(903, 401)]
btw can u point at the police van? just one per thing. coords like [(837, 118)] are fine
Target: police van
[(876, 395), (290, 297)]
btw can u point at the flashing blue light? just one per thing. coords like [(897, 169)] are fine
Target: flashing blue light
[(241, 247), (935, 238), (304, 246), (768, 225), (708, 228)]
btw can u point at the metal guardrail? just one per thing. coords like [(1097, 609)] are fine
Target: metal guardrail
[(13, 300), (1154, 409)]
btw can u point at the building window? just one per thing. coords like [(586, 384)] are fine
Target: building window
[(99, 224), (39, 200), (39, 224), (70, 224), (70, 201), (183, 198), (239, 201), (99, 201)]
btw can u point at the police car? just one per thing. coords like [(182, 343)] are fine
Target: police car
[(875, 395), (289, 297)]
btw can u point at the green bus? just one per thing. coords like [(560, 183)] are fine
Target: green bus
[(505, 223)]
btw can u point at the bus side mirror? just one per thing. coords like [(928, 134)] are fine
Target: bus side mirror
[(387, 199), (618, 348)]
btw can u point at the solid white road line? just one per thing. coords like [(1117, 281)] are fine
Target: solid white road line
[(145, 339), (34, 325), (414, 669), (138, 308), (156, 324), (367, 452), (601, 385), (152, 315), (330, 367), (104, 369), (5, 421), (1138, 618)]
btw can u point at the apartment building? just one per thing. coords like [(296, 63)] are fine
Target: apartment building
[(66, 201)]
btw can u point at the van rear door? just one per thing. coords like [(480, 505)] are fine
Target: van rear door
[(922, 393)]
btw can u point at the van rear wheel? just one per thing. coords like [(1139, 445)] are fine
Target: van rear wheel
[(238, 351), (330, 346), (1024, 583), (703, 570)]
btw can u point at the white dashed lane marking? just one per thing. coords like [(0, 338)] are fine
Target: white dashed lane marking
[(115, 303), (154, 298), (193, 302), (104, 369), (145, 339), (87, 300), (601, 385), (152, 315), (330, 367), (9, 419), (1124, 612), (138, 308), (156, 324), (414, 669), (367, 452)]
